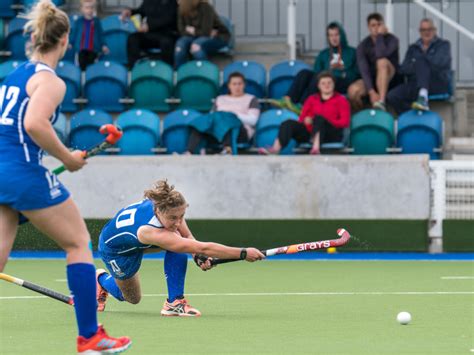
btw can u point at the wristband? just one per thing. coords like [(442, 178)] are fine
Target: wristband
[(243, 254)]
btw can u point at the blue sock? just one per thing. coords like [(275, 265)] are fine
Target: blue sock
[(175, 273), (81, 280), (109, 284)]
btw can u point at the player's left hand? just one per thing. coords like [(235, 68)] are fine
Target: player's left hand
[(203, 262)]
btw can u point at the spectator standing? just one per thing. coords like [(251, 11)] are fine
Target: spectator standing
[(377, 59), (244, 106), (427, 66), (86, 36), (338, 58), (201, 30), (158, 29), (322, 120)]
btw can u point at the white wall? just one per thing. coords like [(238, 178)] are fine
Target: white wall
[(255, 187)]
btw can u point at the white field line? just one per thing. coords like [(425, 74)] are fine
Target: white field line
[(61, 280), (457, 277), (256, 294)]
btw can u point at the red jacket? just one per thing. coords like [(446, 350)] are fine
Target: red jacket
[(336, 110)]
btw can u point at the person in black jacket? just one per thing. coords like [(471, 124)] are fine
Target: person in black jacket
[(158, 29), (427, 66)]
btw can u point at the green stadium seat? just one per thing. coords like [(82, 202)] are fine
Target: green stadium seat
[(152, 84), (372, 132), (197, 85)]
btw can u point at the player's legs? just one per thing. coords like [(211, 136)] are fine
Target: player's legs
[(131, 289), (385, 73), (175, 272), (64, 225), (8, 228), (356, 91)]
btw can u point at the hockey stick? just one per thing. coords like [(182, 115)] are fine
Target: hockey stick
[(114, 133), (298, 248), (39, 289)]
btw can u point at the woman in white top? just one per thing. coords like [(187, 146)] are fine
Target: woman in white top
[(244, 106)]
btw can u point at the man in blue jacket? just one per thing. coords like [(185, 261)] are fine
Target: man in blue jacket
[(427, 66)]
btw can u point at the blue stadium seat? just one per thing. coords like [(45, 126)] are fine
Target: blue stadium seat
[(268, 125), (372, 132), (282, 75), (116, 33), (420, 132), (60, 126), (6, 10), (7, 67), (106, 84), (71, 74), (29, 3), (254, 73), (176, 130), (84, 131), (141, 132), (227, 23), (15, 41), (152, 84), (197, 84)]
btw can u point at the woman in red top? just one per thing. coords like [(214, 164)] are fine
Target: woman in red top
[(322, 120)]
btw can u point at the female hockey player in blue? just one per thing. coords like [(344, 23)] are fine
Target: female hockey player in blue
[(157, 221), (29, 100)]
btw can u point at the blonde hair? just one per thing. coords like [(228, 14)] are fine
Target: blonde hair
[(164, 196), (47, 25)]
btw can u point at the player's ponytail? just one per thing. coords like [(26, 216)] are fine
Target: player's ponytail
[(47, 25), (164, 196)]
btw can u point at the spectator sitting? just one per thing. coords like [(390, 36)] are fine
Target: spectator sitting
[(377, 59), (244, 106), (158, 30), (86, 37), (338, 58), (201, 29), (322, 120), (427, 66)]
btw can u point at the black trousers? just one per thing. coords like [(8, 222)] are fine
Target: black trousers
[(291, 129), (401, 96), (196, 137), (86, 58), (305, 85), (139, 42)]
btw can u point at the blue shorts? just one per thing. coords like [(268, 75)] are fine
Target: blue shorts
[(26, 187), (121, 267)]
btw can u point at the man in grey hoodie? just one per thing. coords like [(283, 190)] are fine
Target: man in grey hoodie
[(377, 59)]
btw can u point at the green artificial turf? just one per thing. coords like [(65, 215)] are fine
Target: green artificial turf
[(350, 308)]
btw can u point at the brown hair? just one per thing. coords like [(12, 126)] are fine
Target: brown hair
[(326, 74), (374, 16), (164, 196), (47, 24), (236, 74), (188, 8)]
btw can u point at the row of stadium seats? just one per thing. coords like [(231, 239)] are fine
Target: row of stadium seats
[(371, 132), (8, 8), (115, 34), (153, 84)]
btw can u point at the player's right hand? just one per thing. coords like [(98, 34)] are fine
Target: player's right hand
[(254, 255), (75, 161)]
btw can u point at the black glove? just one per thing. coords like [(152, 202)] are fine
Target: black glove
[(200, 259)]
